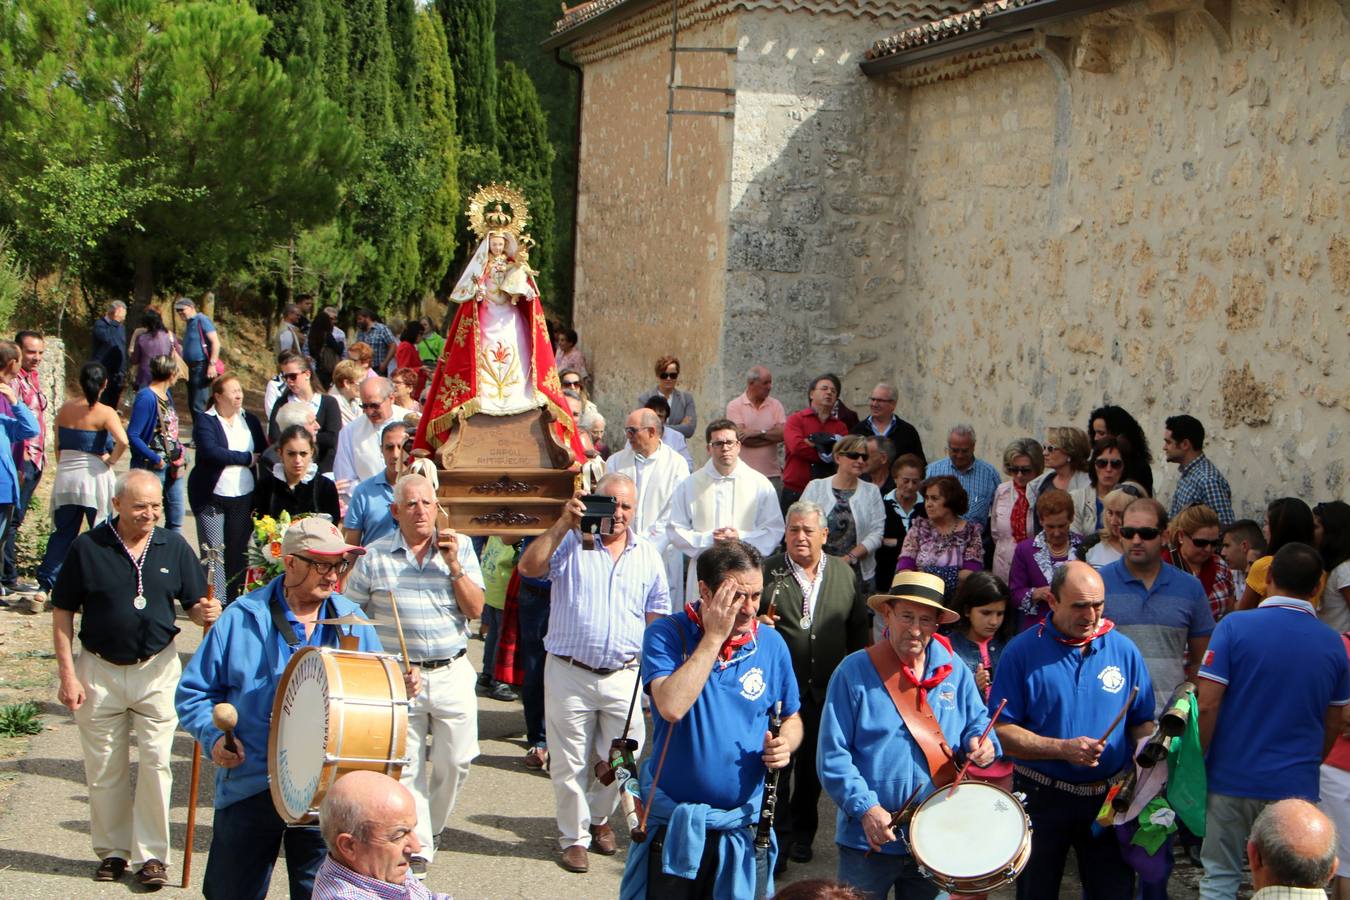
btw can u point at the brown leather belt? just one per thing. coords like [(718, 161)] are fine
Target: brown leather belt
[(601, 672)]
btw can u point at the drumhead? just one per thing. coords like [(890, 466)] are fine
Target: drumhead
[(300, 729), (977, 830)]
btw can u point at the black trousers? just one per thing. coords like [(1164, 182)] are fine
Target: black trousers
[(1062, 822), (661, 886), (795, 817)]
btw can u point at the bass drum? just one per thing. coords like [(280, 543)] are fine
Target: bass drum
[(970, 838), (335, 711)]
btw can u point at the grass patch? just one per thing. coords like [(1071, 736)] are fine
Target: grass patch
[(19, 719)]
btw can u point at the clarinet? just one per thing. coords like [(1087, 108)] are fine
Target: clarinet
[(763, 832)]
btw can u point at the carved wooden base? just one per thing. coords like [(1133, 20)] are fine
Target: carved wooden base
[(504, 476)]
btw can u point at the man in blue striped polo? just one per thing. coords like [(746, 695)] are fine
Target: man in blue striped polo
[(435, 578)]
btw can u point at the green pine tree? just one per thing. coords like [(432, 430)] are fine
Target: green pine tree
[(473, 56), (527, 160), (434, 101)]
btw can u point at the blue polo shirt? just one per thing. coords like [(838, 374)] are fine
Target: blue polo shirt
[(717, 749), (368, 510), (195, 344), (1282, 668), (1160, 620), (1057, 691)]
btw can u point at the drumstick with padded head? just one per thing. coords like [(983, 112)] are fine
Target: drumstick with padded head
[(398, 625), (225, 717)]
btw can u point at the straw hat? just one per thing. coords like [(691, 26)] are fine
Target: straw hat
[(916, 587)]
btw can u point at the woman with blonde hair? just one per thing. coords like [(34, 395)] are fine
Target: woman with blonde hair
[(1066, 451), (1194, 542), (855, 517), (347, 378), (1106, 546), (1012, 515)]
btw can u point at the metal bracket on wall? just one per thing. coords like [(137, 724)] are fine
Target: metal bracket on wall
[(671, 110)]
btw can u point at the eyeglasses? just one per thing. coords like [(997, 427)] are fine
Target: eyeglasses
[(1148, 534), (723, 445), (372, 405), (1109, 463), (291, 376), (630, 430), (1206, 543), (1020, 470), (854, 454), (909, 620), (669, 376), (341, 566), (880, 400), (1048, 448)]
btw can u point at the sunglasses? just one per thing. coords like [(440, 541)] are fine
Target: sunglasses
[(1020, 470), (571, 384), (1148, 534), (372, 405), (1206, 543), (669, 376), (291, 376), (853, 454), (1048, 448), (1109, 463)]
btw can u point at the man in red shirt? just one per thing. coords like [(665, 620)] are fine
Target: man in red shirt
[(807, 458)]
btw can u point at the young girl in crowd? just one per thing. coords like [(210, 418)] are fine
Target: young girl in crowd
[(985, 605)]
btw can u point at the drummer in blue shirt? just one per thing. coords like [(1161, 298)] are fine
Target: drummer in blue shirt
[(240, 661), (869, 761), (1066, 681)]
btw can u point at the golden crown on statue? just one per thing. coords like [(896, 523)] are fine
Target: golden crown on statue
[(486, 212)]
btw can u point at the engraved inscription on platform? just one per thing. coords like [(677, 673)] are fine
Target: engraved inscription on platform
[(504, 485)]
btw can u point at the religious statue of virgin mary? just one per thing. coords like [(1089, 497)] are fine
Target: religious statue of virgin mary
[(497, 360)]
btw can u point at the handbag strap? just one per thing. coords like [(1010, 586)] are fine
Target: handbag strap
[(918, 717)]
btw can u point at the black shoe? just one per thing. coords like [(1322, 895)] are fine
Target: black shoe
[(800, 852), (111, 869), (504, 692)]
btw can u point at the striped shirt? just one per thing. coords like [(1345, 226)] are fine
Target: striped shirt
[(1202, 482), (432, 623), (334, 881), (980, 482), (599, 605)]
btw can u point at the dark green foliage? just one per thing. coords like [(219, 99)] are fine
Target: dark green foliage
[(473, 56), (527, 161), (19, 719)]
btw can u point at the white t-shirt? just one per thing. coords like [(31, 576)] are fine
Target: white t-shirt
[(1102, 554), (1334, 611), (235, 481)]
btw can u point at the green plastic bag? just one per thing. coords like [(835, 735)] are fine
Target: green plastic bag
[(1186, 791)]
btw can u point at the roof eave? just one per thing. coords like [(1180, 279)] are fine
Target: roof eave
[(994, 28), (599, 23)]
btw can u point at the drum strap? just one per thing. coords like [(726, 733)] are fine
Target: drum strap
[(916, 713)]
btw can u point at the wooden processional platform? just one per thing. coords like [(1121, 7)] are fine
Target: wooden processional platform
[(505, 477)]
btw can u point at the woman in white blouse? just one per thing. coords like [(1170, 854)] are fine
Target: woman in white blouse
[(854, 513), (229, 440)]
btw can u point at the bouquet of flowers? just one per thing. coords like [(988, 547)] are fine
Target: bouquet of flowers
[(264, 549)]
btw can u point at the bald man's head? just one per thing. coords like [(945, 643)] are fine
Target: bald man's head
[(1292, 844), (1077, 598), (368, 820)]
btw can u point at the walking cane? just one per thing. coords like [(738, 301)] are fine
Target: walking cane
[(212, 556)]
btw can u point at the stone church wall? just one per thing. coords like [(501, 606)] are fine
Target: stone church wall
[(1173, 241), (651, 255)]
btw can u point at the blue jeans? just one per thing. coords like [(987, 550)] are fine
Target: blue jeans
[(532, 626), (29, 476), (65, 529), (198, 387), (877, 874), (1228, 822), (244, 843), (173, 493)]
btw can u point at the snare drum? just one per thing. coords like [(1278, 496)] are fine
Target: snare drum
[(335, 711), (970, 839)]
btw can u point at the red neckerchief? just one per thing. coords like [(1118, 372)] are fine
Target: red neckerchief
[(731, 644), (927, 684), (1102, 629), (1021, 505)]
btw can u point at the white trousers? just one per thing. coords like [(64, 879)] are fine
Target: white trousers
[(446, 709), (117, 700), (584, 712)]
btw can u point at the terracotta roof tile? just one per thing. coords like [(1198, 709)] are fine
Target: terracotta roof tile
[(916, 10), (942, 28)]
